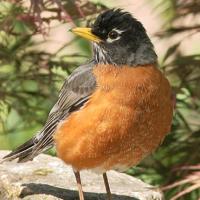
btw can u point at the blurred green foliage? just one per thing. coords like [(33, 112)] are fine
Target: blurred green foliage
[(30, 79)]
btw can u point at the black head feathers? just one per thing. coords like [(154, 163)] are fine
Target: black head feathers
[(124, 40), (115, 19)]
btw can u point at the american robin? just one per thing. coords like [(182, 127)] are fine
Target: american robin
[(112, 111)]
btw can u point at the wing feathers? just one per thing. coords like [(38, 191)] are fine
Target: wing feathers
[(75, 91)]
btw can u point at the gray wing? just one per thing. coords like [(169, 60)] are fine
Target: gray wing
[(75, 91)]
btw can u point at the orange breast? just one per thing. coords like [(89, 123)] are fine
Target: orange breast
[(125, 119)]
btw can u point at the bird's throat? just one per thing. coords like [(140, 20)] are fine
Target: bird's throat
[(143, 55), (100, 55)]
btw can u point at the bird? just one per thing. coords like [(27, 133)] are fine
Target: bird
[(112, 111)]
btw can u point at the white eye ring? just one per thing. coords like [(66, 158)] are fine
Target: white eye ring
[(114, 35)]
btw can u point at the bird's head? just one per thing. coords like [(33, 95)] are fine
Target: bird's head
[(120, 39)]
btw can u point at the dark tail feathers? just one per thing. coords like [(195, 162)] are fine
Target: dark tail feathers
[(23, 152)]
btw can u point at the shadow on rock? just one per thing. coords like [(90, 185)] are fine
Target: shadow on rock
[(34, 189)]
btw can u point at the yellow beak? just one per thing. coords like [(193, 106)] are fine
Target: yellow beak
[(86, 33)]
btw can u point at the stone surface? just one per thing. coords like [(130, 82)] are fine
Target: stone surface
[(48, 178)]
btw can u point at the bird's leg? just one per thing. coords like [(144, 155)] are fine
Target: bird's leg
[(107, 186), (78, 181)]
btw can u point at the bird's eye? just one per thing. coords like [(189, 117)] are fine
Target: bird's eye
[(113, 35)]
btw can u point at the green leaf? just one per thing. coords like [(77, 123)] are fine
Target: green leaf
[(30, 86), (13, 119), (171, 51)]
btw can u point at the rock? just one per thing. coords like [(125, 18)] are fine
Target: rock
[(48, 178)]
